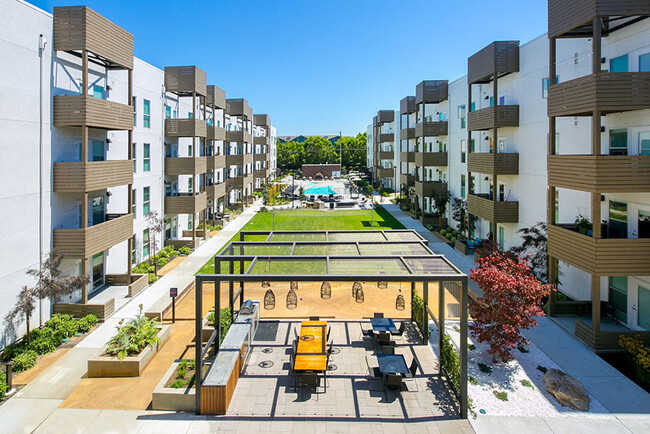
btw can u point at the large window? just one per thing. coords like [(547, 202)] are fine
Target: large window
[(644, 143), (133, 258), (168, 112), (545, 84), (618, 296), (617, 219), (644, 63), (618, 142), (619, 64), (135, 111), (98, 92), (145, 201), (463, 150), (462, 185), (133, 202), (146, 116), (145, 244), (133, 157), (146, 159)]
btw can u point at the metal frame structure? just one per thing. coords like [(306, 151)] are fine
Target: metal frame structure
[(453, 276)]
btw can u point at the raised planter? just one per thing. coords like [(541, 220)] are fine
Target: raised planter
[(442, 238), (461, 246), (170, 399), (206, 330), (102, 366)]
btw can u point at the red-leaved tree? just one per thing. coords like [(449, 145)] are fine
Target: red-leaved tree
[(510, 302)]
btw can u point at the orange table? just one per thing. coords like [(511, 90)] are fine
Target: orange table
[(311, 353)]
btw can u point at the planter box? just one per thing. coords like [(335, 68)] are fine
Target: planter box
[(170, 399), (101, 366), (442, 238), (461, 247), (206, 330)]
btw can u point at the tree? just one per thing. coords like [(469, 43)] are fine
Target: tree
[(440, 202), (156, 225), (301, 194), (459, 212), (510, 302), (23, 309), (534, 244)]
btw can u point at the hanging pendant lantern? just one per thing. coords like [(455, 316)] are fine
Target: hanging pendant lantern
[(399, 302), (356, 286), (294, 286), (325, 291), (359, 296), (269, 300), (266, 284), (382, 284), (292, 299)]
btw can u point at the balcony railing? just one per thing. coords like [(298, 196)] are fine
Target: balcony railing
[(431, 91), (599, 256), (493, 117), (216, 191), (262, 141), (429, 188), (500, 57), (407, 133), (600, 173), (185, 165), (185, 80), (423, 159), (86, 111), (215, 133), (94, 175), (84, 243), (185, 128), (186, 203), (385, 173), (408, 180), (431, 129), (408, 157), (240, 136), (608, 92), (482, 206), (385, 137), (495, 164)]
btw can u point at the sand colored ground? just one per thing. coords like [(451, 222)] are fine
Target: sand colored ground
[(170, 265)]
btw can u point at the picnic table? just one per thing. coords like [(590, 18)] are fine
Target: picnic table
[(311, 351), (383, 325)]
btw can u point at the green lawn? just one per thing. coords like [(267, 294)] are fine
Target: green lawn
[(304, 220)]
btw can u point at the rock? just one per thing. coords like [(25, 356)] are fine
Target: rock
[(567, 390)]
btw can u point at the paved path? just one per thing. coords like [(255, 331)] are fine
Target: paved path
[(629, 404)]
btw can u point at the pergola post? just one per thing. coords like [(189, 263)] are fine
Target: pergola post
[(425, 311), (198, 344), (441, 321), (463, 349)]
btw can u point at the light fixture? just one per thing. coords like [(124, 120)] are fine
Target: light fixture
[(356, 287), (485, 179), (399, 302), (359, 296), (294, 286), (382, 284), (325, 291), (292, 299), (486, 138), (266, 284), (487, 97), (108, 140), (269, 300)]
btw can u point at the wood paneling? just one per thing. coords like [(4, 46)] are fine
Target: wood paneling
[(185, 128), (385, 116), (501, 57), (574, 18), (78, 310), (260, 157), (262, 120), (609, 92), (431, 129), (600, 173), (216, 191), (79, 110), (407, 157), (248, 179), (216, 97), (215, 133), (185, 204), (431, 91), (185, 165), (407, 133), (248, 158), (239, 136), (602, 256), (495, 164), (484, 119), (84, 243), (134, 285), (499, 211), (260, 173), (385, 173), (407, 105), (79, 28), (215, 162), (78, 177), (388, 137), (184, 80), (235, 160), (428, 189), (235, 183), (388, 155), (407, 180), (262, 140), (424, 159), (239, 107), (605, 340)]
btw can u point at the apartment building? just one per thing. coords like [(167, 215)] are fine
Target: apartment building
[(101, 140), (384, 151), (564, 141)]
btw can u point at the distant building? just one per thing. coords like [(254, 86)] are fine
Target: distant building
[(321, 171), (283, 139)]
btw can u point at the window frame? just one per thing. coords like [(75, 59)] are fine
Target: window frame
[(146, 200), (146, 157), (146, 113)]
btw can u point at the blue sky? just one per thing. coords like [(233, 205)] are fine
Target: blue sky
[(319, 67)]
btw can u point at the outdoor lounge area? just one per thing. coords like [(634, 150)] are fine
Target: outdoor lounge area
[(331, 324)]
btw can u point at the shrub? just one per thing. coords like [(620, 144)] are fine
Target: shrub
[(178, 383), (25, 360), (86, 323), (417, 305), (503, 396), (448, 236), (484, 368), (12, 350), (450, 361), (184, 250), (152, 278), (640, 355), (453, 239), (182, 369), (527, 383), (162, 262), (430, 227), (62, 324), (3, 385), (45, 340), (133, 337), (472, 380)]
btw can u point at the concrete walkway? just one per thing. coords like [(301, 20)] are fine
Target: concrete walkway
[(37, 401), (628, 403)]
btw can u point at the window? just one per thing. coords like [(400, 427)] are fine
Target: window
[(618, 64), (472, 107), (133, 261), (618, 296), (462, 185), (545, 84), (557, 206), (189, 150), (644, 63), (461, 115), (644, 143), (190, 115), (98, 151), (133, 154), (210, 122), (617, 219), (190, 185), (463, 150), (618, 142), (189, 222), (146, 160), (145, 244), (98, 92), (491, 101), (133, 202), (168, 112), (145, 201), (146, 117)]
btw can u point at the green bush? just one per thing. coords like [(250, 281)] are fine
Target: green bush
[(25, 360), (430, 227), (86, 323), (3, 385), (62, 324), (453, 239), (178, 383), (503, 396), (152, 278), (472, 380), (45, 340), (133, 337), (527, 383), (162, 262), (12, 350), (450, 361), (182, 369), (184, 250), (448, 236), (418, 312)]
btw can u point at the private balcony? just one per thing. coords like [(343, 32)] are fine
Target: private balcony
[(609, 92), (235, 160), (424, 159), (408, 157), (78, 28), (216, 97), (240, 136), (407, 105), (260, 157), (385, 137), (216, 191), (185, 165), (248, 179), (385, 173), (600, 173), (501, 116), (430, 129), (385, 116), (185, 128), (574, 19), (429, 188), (77, 177), (84, 243), (386, 155), (407, 133), (185, 81), (186, 203), (431, 91), (260, 173), (599, 256), (248, 158), (407, 180), (494, 164), (261, 120), (235, 182), (482, 206), (215, 162), (266, 141), (86, 111), (499, 58), (239, 107), (215, 133)]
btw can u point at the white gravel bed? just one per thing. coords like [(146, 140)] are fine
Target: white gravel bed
[(506, 377)]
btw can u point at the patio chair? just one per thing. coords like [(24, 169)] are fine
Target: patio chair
[(373, 371), (387, 349), (400, 332), (383, 338), (378, 315), (314, 318), (310, 380), (413, 369), (393, 381), (366, 332)]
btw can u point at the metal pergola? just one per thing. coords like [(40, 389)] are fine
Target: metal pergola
[(422, 267)]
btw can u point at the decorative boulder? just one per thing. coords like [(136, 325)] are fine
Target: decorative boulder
[(567, 390)]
